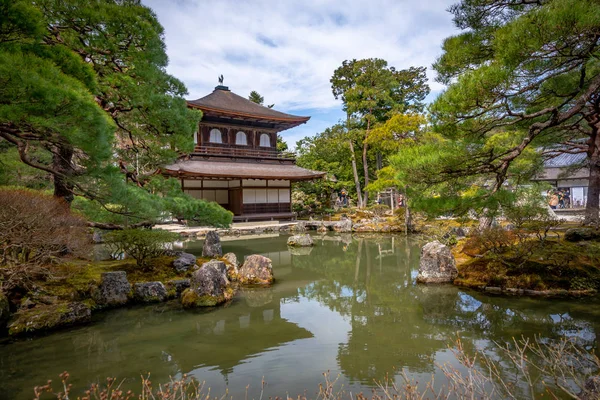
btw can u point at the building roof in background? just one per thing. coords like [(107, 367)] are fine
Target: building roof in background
[(225, 101), (240, 170), (565, 160)]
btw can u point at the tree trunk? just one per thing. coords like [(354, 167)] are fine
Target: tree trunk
[(408, 225), (359, 202), (365, 164), (354, 169), (62, 158), (592, 206)]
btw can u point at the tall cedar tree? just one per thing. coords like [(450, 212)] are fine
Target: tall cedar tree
[(524, 75), (85, 82), (372, 91)]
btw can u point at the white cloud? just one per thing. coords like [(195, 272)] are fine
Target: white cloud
[(288, 50)]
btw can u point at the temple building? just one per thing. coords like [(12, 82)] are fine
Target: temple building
[(235, 161)]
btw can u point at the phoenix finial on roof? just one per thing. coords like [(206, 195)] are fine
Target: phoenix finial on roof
[(221, 79)]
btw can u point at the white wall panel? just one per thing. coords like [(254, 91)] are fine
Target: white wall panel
[(249, 196), (272, 196), (195, 183), (285, 196), (254, 182), (215, 184), (261, 195), (279, 183)]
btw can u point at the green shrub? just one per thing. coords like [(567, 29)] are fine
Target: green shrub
[(140, 244)]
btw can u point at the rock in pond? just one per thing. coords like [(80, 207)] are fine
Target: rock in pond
[(150, 292), (232, 266), (209, 286), (343, 226), (257, 270), (437, 264), (47, 317), (300, 241), (183, 262), (113, 290), (212, 245)]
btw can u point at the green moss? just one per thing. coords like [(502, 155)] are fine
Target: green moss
[(43, 318), (191, 299)]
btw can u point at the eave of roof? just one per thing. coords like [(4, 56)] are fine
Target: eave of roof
[(239, 170), (223, 101)]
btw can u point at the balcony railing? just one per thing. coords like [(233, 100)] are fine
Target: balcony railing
[(242, 151)]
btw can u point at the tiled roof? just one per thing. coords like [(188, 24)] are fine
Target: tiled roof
[(222, 99), (240, 170), (565, 160)]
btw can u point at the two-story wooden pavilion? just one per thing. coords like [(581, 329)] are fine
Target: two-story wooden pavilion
[(235, 161)]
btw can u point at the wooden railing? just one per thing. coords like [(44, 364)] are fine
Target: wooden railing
[(241, 151)]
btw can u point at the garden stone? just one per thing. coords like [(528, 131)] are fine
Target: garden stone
[(343, 226), (209, 286), (579, 234), (437, 264), (256, 269), (212, 245), (300, 227), (49, 317), (184, 262), (149, 292), (300, 241), (114, 289), (232, 266), (177, 286)]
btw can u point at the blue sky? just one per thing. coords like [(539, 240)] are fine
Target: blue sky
[(287, 50)]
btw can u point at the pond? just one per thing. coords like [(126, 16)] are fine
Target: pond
[(349, 305)]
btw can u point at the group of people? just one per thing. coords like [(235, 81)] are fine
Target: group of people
[(559, 198)]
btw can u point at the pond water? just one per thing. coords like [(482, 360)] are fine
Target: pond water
[(349, 306)]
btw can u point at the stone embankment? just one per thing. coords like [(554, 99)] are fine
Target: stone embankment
[(199, 283)]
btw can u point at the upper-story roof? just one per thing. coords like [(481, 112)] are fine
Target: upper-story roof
[(225, 102)]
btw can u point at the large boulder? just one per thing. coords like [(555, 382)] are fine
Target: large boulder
[(579, 234), (212, 245), (437, 264), (232, 265), (343, 226), (591, 389), (114, 289), (256, 270), (45, 317), (300, 241), (209, 286), (150, 292), (183, 262)]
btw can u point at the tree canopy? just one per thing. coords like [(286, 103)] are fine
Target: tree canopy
[(524, 83), (85, 97)]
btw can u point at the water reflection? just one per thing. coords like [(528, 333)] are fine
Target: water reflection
[(349, 305)]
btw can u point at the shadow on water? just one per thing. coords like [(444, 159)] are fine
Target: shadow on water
[(348, 305)]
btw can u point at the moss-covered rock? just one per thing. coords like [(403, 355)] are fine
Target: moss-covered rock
[(149, 292), (580, 234), (257, 270), (48, 317), (209, 286), (191, 299)]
